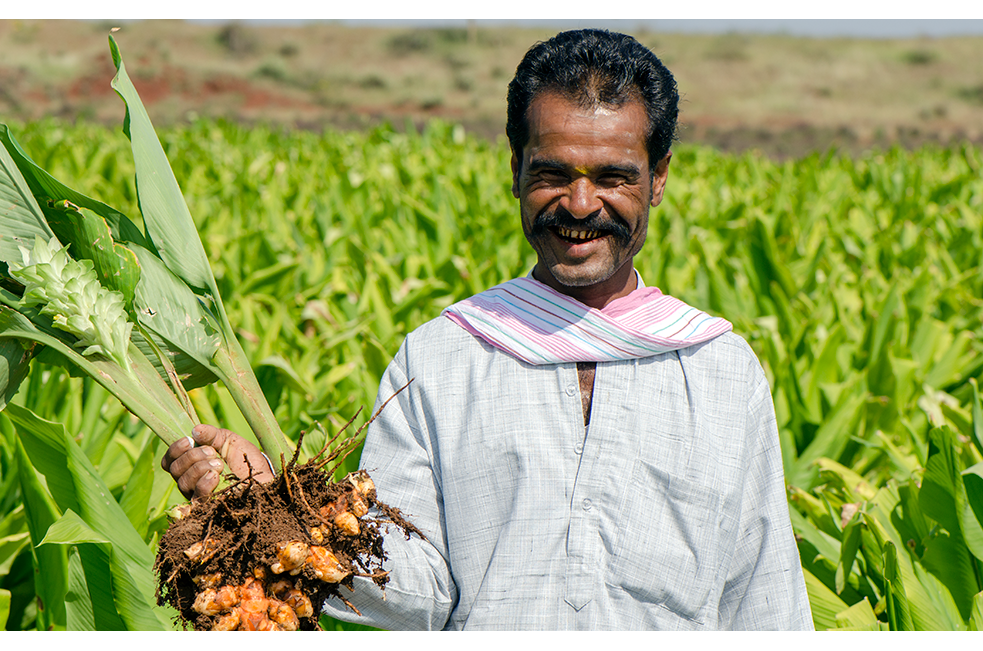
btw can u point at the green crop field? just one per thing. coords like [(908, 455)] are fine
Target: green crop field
[(858, 282)]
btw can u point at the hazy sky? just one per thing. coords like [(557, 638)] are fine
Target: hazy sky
[(860, 27)]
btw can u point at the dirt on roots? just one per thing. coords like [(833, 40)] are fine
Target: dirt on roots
[(235, 543)]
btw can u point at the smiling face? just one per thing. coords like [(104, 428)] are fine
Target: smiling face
[(584, 190)]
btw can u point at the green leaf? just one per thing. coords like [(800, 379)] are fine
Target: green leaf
[(973, 481), (832, 436), (15, 362), (860, 617), (976, 618), (135, 500), (51, 564), (977, 417), (21, 218), (4, 607), (897, 598), (165, 213), (70, 529), (848, 551), (931, 606), (943, 494), (97, 577), (44, 185), (182, 324), (824, 603), (79, 612), (78, 489)]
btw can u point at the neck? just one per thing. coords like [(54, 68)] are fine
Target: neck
[(623, 282)]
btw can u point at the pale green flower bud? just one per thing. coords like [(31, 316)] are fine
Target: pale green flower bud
[(69, 291)]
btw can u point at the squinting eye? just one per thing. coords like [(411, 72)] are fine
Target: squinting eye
[(611, 180), (553, 176)]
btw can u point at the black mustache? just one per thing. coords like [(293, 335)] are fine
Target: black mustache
[(560, 218)]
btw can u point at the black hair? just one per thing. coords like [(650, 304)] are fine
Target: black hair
[(595, 67)]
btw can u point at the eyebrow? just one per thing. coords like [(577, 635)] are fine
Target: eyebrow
[(537, 165)]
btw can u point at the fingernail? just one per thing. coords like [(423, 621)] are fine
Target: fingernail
[(191, 441), (215, 463)]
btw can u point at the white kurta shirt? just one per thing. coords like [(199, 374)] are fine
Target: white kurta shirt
[(668, 511)]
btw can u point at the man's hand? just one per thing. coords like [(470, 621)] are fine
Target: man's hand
[(196, 469)]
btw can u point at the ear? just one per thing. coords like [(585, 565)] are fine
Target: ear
[(516, 164), (659, 177)]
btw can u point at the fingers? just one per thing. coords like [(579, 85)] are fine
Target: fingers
[(242, 457), (196, 470)]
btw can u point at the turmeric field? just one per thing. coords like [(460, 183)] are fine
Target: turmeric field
[(857, 281)]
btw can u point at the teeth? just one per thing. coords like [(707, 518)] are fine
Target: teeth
[(577, 235)]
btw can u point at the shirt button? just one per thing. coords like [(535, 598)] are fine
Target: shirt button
[(587, 504), (578, 448), (571, 389)]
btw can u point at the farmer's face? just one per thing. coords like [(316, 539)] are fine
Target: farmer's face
[(584, 191)]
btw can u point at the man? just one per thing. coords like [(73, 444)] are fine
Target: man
[(581, 451)]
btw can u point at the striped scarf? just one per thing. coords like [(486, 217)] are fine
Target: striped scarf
[(539, 325)]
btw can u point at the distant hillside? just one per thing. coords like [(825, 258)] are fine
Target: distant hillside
[(783, 95)]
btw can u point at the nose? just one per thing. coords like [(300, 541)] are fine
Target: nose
[(582, 198)]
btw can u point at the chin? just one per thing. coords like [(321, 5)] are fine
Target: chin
[(580, 278)]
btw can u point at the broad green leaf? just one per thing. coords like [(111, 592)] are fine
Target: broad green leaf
[(4, 607), (977, 417), (885, 322), (848, 551), (135, 500), (78, 604), (860, 616), (15, 362), (832, 436), (43, 184), (97, 578), (856, 487), (83, 492), (70, 529), (21, 218), (900, 611), (930, 604), (976, 619), (165, 213), (947, 558), (973, 481), (824, 603), (51, 564), (10, 547), (943, 493), (825, 369), (169, 309), (292, 378), (952, 362)]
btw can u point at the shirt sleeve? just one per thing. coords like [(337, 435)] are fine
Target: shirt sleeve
[(765, 589), (398, 457)]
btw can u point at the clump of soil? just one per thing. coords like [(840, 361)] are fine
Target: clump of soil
[(297, 540)]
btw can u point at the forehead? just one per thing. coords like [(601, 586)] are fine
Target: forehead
[(560, 126)]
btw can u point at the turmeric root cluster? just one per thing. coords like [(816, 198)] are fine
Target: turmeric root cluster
[(265, 557), (271, 599), (256, 605)]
